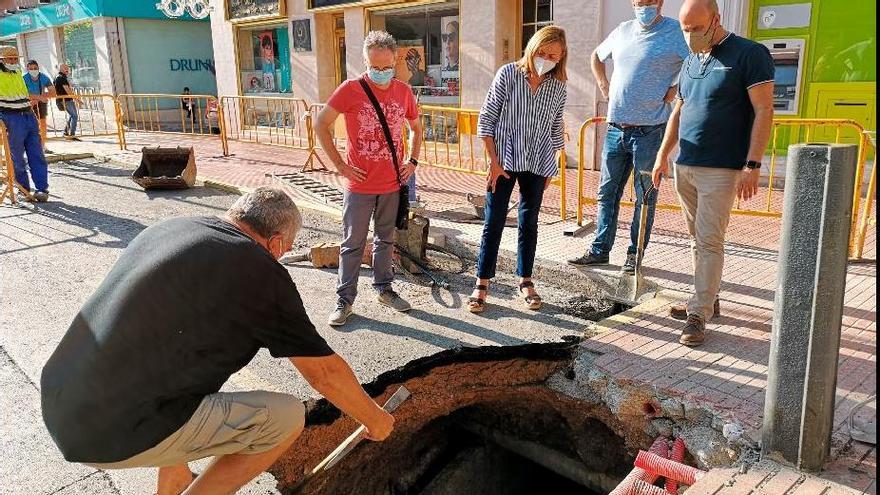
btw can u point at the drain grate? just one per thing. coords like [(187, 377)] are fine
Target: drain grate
[(321, 191)]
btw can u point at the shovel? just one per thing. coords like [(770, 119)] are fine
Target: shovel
[(629, 287), (351, 442)]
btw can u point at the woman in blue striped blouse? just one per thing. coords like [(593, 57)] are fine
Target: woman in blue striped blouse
[(521, 127)]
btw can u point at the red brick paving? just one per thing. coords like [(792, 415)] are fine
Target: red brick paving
[(729, 371)]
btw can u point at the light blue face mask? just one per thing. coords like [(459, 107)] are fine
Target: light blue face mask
[(381, 77), (646, 15)]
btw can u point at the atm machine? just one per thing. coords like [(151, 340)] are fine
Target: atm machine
[(788, 57)]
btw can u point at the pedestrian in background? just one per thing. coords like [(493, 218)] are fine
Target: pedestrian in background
[(67, 101), (40, 88), (648, 52), (721, 122), (375, 169), (188, 106), (522, 129), (22, 128)]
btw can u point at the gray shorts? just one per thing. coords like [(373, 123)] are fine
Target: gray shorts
[(225, 423)]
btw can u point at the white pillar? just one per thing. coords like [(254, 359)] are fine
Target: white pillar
[(581, 20), (106, 47), (354, 41), (223, 36)]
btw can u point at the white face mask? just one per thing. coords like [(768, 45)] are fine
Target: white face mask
[(34, 73), (543, 66), (13, 67)]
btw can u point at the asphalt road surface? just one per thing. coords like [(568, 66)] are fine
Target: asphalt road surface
[(53, 256)]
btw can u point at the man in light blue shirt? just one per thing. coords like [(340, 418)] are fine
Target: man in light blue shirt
[(648, 52)]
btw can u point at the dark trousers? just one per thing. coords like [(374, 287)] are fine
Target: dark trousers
[(24, 138), (531, 191)]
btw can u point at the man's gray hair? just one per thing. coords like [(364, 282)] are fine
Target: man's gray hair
[(268, 211), (380, 40)]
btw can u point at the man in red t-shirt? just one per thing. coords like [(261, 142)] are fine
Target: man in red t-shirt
[(372, 187)]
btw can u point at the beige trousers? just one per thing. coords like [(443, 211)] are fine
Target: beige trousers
[(225, 423), (707, 195)]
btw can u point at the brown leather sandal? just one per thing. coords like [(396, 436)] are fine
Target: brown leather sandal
[(532, 302), (477, 305)]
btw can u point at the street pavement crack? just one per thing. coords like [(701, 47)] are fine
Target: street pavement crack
[(6, 358)]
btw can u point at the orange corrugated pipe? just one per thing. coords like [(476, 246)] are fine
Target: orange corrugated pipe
[(668, 468), (660, 447), (678, 450)]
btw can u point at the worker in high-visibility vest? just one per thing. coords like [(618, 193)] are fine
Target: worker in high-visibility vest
[(22, 127)]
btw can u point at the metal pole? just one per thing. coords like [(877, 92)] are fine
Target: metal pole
[(805, 343)]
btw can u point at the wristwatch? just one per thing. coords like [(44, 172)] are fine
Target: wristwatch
[(752, 165), (414, 162)]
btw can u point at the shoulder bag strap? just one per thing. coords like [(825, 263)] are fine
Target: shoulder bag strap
[(385, 129)]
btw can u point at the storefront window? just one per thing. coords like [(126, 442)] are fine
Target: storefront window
[(428, 49), (78, 49), (535, 15), (264, 60)]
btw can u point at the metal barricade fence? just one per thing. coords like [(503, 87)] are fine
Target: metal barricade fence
[(451, 143), (785, 132), (96, 115), (193, 115)]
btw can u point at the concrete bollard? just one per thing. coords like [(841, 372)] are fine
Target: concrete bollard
[(808, 310)]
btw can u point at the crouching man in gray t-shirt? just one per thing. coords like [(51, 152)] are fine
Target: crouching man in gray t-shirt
[(135, 382)]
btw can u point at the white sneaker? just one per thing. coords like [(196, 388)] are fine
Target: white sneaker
[(340, 315)]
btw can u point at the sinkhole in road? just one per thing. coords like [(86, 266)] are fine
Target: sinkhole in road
[(479, 420)]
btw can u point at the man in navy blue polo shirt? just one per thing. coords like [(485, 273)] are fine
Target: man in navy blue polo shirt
[(721, 122)]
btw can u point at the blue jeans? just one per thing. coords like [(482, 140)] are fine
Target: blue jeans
[(625, 148), (531, 192), (72, 118), (24, 137)]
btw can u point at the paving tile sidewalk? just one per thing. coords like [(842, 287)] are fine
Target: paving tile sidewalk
[(729, 372)]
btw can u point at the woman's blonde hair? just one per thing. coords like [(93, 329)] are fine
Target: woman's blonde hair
[(545, 36)]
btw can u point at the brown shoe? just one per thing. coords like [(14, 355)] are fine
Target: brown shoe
[(680, 311), (693, 333)]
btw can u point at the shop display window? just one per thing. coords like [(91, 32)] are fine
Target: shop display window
[(428, 48), (264, 60), (78, 49)]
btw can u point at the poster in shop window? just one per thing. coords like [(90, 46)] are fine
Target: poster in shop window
[(449, 74), (411, 62), (267, 60)]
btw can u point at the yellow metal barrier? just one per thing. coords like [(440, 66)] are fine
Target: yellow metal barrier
[(193, 115), (96, 116), (7, 173), (798, 131), (451, 143)]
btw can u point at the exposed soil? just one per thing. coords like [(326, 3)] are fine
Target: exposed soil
[(465, 403)]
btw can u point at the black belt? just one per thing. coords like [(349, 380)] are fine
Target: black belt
[(16, 110), (627, 126)]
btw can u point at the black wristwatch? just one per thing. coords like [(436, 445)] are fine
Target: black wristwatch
[(752, 165), (414, 162)]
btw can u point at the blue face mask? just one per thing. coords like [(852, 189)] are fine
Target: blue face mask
[(646, 15), (381, 77)]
